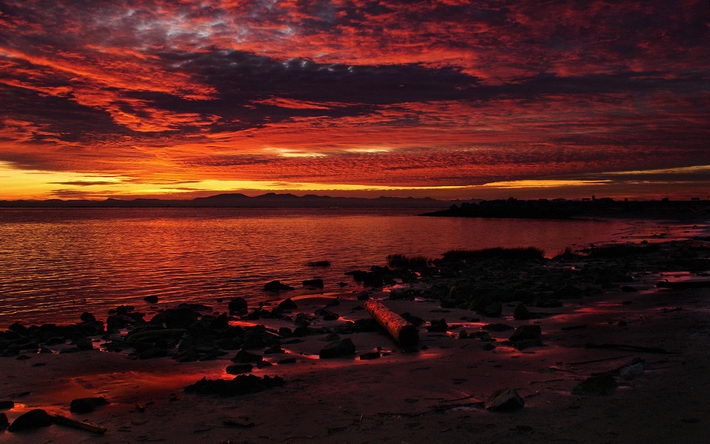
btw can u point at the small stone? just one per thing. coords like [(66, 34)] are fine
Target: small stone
[(87, 405), (31, 420), (238, 306), (603, 384), (505, 400), (151, 299), (338, 349), (6, 405), (438, 326), (633, 370), (313, 283), (238, 369)]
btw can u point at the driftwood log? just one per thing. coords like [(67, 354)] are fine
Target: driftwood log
[(402, 331), (73, 423)]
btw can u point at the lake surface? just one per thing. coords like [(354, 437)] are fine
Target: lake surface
[(57, 263)]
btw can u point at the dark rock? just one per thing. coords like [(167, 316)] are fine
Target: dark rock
[(181, 317), (488, 346), (438, 326), (238, 306), (6, 405), (319, 264), (285, 332), (603, 384), (244, 356), (497, 327), (151, 299), (83, 344), (505, 400), (4, 423), (276, 286), (327, 315), (338, 349), (632, 370), (521, 313), (366, 325), (87, 317), (369, 356), (414, 320), (526, 336), (284, 361), (241, 385), (87, 405), (313, 283), (286, 305), (274, 349), (493, 309), (31, 420), (237, 369)]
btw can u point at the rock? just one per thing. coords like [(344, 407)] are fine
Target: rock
[(4, 423), (321, 263), (87, 405), (497, 327), (277, 286), (438, 326), (603, 384), (521, 313), (289, 360), (338, 349), (31, 420), (237, 369), (244, 356), (84, 344), (493, 309), (327, 315), (6, 405), (632, 370), (313, 283), (286, 305), (151, 299), (238, 306), (181, 317), (505, 400), (526, 336), (414, 320), (87, 317), (369, 356), (241, 385)]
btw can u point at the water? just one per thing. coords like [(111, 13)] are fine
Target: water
[(57, 263)]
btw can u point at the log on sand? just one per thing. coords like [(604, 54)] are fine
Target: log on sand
[(402, 331), (73, 423)]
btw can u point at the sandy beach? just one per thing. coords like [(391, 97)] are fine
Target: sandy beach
[(651, 343)]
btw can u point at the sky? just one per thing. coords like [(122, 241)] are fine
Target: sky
[(449, 99)]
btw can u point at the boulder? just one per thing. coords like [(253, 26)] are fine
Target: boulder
[(237, 369), (286, 305), (31, 420), (438, 326), (6, 405), (87, 405), (87, 317), (151, 299), (521, 313), (238, 306), (526, 336), (505, 400), (277, 286), (338, 349), (313, 283), (603, 384), (4, 423), (244, 357)]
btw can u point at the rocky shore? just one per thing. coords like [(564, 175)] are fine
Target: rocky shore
[(607, 344)]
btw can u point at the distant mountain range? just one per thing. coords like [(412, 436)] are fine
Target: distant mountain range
[(237, 200)]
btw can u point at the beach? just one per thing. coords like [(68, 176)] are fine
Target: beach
[(600, 313)]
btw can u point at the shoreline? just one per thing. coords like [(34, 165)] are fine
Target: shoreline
[(434, 394)]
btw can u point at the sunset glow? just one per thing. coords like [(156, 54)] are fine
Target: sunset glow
[(447, 99)]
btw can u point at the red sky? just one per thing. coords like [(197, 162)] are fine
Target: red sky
[(448, 98)]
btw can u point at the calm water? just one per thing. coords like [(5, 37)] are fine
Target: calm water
[(55, 264)]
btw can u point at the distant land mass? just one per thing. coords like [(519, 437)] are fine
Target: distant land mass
[(691, 210), (237, 200)]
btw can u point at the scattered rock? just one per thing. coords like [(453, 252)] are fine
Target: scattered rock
[(238, 369), (277, 286), (238, 306), (438, 326), (603, 384), (505, 400), (313, 283), (370, 356), (526, 336), (87, 405), (241, 385), (31, 420), (6, 405), (338, 349)]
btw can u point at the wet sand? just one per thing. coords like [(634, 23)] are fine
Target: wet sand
[(435, 394)]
